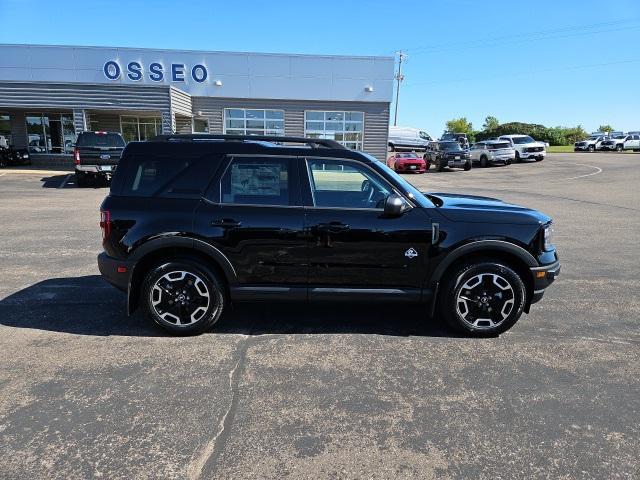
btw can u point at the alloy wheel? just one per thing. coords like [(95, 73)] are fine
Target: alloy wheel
[(180, 298), (485, 300)]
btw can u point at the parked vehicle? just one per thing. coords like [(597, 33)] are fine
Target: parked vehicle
[(632, 142), (407, 162), (526, 147), (12, 156), (461, 138), (406, 138), (447, 154), (191, 225), (614, 143), (492, 152), (96, 156), (590, 144)]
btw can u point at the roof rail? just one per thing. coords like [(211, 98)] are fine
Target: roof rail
[(311, 142)]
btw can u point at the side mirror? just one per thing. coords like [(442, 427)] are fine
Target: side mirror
[(394, 206)]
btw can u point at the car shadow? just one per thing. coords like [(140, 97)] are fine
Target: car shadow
[(68, 181), (88, 305)]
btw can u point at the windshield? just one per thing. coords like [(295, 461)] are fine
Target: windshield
[(496, 146), (425, 136), (450, 146), (521, 140), (414, 194), (618, 137)]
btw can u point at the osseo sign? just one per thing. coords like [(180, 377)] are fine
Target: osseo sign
[(175, 72)]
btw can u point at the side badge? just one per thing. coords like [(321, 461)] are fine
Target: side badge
[(411, 253)]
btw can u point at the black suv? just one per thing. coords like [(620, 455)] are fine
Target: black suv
[(195, 222), (96, 156), (447, 154)]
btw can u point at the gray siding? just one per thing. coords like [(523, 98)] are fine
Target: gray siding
[(71, 96), (376, 116), (180, 102)]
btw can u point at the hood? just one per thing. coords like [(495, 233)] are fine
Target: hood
[(470, 208)]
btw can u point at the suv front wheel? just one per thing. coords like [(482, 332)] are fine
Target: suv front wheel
[(183, 297), (482, 298)]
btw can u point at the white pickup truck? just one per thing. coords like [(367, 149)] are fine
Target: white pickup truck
[(526, 147), (590, 144)]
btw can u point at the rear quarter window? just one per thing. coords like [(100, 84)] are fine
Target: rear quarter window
[(168, 177)]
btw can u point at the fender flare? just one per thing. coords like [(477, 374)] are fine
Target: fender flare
[(480, 246), (154, 245)]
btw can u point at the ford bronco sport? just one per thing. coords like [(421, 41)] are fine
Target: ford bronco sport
[(194, 222)]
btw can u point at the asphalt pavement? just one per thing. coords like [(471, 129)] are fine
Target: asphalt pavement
[(292, 391)]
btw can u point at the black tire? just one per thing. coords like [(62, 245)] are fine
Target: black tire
[(467, 166), (592, 148), (483, 161), (619, 148), (83, 180), (390, 147), (539, 159), (194, 291), (4, 162), (439, 167), (484, 298), (518, 159), (507, 162)]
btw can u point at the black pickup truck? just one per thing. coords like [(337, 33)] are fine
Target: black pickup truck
[(96, 156)]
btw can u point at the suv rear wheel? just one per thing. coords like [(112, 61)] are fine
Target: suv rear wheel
[(183, 297), (484, 297), (483, 161)]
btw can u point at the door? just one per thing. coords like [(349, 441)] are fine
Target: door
[(255, 218), (353, 248)]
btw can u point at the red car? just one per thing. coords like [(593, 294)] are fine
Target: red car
[(407, 162)]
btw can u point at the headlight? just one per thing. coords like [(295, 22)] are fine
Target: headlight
[(548, 233)]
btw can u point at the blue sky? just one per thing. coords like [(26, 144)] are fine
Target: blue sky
[(564, 62)]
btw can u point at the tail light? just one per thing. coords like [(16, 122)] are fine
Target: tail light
[(105, 224), (76, 156)]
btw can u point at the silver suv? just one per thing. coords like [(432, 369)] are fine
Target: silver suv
[(492, 152)]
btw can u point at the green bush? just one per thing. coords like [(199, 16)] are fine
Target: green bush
[(554, 135)]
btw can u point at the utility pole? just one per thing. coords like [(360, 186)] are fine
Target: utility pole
[(399, 78)]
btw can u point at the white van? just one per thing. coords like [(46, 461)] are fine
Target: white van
[(407, 138)]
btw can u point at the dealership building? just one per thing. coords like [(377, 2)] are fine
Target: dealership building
[(48, 94)]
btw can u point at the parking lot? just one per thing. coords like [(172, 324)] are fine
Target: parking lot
[(282, 391)]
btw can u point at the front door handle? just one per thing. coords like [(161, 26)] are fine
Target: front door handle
[(332, 227), (226, 223)]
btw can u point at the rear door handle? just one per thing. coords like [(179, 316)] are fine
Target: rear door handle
[(332, 227), (226, 223)]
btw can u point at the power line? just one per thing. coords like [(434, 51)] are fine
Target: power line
[(563, 32), (527, 73)]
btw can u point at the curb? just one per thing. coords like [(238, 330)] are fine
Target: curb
[(35, 172)]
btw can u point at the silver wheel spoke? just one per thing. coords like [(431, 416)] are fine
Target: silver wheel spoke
[(181, 298), (485, 300)]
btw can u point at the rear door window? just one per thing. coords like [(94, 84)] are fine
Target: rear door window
[(259, 181)]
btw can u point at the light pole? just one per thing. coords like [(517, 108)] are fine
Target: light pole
[(399, 78)]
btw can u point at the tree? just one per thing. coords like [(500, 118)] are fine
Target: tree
[(490, 123), (605, 128), (460, 125)]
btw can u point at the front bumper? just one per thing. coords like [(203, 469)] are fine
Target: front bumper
[(116, 272), (456, 163), (411, 167), (542, 278), (526, 155)]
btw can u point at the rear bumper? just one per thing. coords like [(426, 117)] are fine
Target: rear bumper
[(542, 278), (116, 272), (96, 169)]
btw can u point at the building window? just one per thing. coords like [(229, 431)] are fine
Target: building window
[(239, 121), (140, 128), (200, 125), (344, 127), (94, 126), (51, 132), (5, 130)]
